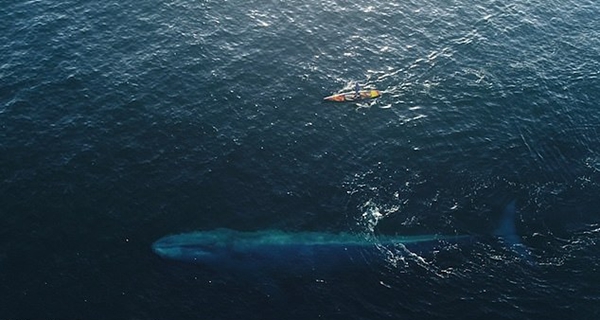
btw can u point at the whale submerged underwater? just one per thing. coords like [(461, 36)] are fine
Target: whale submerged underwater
[(226, 249)]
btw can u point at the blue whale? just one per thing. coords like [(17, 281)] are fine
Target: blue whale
[(226, 249), (275, 249)]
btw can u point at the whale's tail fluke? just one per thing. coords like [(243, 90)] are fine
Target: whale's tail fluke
[(507, 232)]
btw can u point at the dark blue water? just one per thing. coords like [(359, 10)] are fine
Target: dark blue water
[(125, 121)]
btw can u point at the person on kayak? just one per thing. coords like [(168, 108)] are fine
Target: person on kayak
[(356, 91)]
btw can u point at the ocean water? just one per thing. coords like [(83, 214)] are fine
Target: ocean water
[(125, 121)]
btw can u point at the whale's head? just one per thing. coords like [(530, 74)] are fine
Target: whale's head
[(197, 247)]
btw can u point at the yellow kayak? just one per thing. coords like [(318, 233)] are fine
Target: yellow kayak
[(351, 96)]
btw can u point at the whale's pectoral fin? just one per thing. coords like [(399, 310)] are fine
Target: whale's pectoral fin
[(507, 232)]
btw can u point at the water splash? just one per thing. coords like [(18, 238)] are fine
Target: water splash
[(373, 214)]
